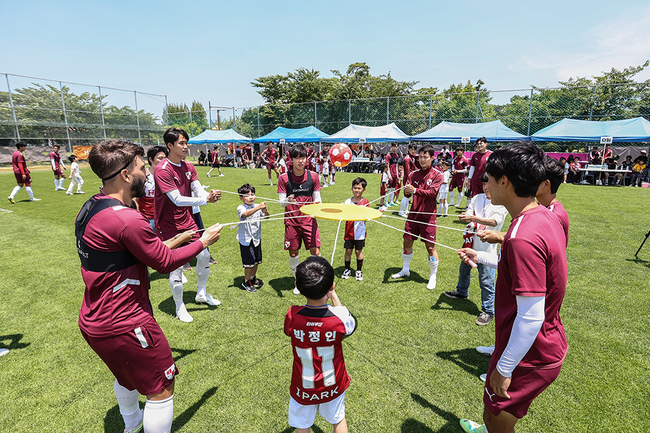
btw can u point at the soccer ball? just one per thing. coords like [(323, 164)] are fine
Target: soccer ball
[(340, 155)]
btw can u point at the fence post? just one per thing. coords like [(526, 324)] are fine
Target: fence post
[(349, 112), (101, 111), (530, 111), (315, 116), (478, 94), (191, 126), (137, 116), (13, 112), (259, 134), (430, 109), (65, 117), (234, 119), (166, 112), (210, 114), (591, 106), (387, 110)]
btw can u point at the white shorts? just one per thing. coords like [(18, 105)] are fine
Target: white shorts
[(442, 192), (302, 416)]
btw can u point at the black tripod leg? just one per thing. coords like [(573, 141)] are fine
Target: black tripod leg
[(646, 238)]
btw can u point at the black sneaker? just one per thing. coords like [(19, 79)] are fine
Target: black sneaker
[(455, 295), (248, 286), (257, 282)]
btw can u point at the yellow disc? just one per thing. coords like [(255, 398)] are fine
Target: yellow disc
[(344, 212)]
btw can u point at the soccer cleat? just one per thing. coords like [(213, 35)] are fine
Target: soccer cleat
[(133, 429), (207, 299), (485, 350), (382, 208), (69, 193), (483, 377), (221, 175), (484, 318), (325, 185), (401, 274), (34, 199), (80, 192), (11, 200), (257, 282), (471, 427), (455, 295), (187, 267), (207, 174), (183, 315), (359, 275), (60, 189), (3, 351), (212, 261), (296, 291), (403, 214), (432, 281), (346, 274), (248, 286)]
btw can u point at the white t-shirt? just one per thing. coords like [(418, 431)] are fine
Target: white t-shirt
[(482, 207), (251, 231)]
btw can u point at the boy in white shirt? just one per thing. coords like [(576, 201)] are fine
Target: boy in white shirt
[(75, 176), (249, 236), (480, 213), (443, 205)]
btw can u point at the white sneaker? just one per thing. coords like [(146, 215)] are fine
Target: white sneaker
[(401, 274), (359, 275), (382, 208), (403, 214), (325, 186), (69, 193), (346, 274), (207, 299), (34, 199), (207, 174), (3, 352), (221, 175), (296, 291), (183, 315), (483, 377), (485, 350), (432, 281), (80, 192), (61, 189)]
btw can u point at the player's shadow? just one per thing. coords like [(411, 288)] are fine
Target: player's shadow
[(169, 306), (411, 425), (281, 285), (179, 354), (314, 428), (153, 276), (414, 277), (14, 342), (468, 359), (446, 303), (113, 422)]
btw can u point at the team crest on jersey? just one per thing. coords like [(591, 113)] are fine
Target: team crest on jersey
[(169, 373), (188, 175), (287, 244), (428, 182)]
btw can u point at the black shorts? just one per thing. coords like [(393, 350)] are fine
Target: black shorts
[(358, 245), (251, 255)]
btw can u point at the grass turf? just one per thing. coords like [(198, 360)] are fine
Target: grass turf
[(412, 359)]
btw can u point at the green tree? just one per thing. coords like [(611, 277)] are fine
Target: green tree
[(192, 119)]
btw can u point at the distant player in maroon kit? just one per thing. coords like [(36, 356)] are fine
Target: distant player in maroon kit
[(145, 204), (215, 162), (270, 156), (319, 377), (21, 172), (56, 163), (176, 180), (355, 231), (477, 166), (392, 159), (459, 167), (423, 185), (530, 343), (411, 163), (116, 245), (295, 188)]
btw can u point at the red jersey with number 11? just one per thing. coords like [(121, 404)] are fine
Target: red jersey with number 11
[(319, 373)]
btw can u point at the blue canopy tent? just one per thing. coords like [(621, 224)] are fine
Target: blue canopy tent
[(371, 134), (450, 132), (635, 130), (309, 134), (210, 136)]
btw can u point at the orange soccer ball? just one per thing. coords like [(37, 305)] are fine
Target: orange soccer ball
[(340, 155)]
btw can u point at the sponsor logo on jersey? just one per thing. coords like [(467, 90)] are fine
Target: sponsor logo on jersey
[(169, 373), (314, 324)]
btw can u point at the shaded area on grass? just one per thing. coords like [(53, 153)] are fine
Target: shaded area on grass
[(14, 341), (169, 306), (415, 277), (452, 420), (282, 284), (456, 304), (468, 359)]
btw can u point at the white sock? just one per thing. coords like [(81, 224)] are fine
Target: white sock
[(451, 196), (406, 261), (56, 183), (404, 205), (30, 193), (271, 181), (460, 198), (15, 191), (61, 182), (440, 208), (202, 271), (391, 195), (176, 284), (293, 264), (433, 265), (128, 404), (446, 208), (158, 415)]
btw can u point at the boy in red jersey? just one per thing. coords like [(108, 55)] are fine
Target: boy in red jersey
[(115, 246), (269, 156), (459, 168), (175, 181), (295, 188), (21, 172), (530, 343), (319, 377), (411, 164), (477, 166), (423, 185), (355, 231), (145, 203), (392, 159), (215, 162), (56, 163)]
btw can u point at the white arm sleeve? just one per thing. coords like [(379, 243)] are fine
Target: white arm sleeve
[(471, 172), (283, 199), (199, 191), (487, 259), (179, 200), (62, 165), (316, 196), (461, 171), (53, 163), (529, 320)]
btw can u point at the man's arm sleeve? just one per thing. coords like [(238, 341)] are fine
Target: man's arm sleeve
[(471, 172), (198, 190), (179, 200), (487, 259)]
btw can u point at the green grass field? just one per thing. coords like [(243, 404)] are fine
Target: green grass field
[(412, 360)]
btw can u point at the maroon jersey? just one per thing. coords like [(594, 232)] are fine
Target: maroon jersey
[(55, 160), (319, 374), (532, 262), (559, 211), (246, 154), (270, 154), (172, 219), (116, 245), (427, 183), (146, 203), (478, 161), (18, 163), (355, 230), (215, 157), (392, 159), (411, 163), (302, 188)]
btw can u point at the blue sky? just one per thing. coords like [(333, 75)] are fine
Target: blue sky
[(211, 51)]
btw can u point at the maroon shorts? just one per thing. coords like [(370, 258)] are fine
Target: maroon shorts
[(216, 164), (271, 165), (58, 172), (527, 383), (424, 229), (20, 181), (140, 359), (457, 181), (382, 191), (393, 182), (307, 233), (476, 186)]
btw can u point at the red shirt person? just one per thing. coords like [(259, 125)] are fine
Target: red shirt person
[(56, 164), (115, 246), (460, 166), (477, 165), (21, 172), (392, 159), (270, 156)]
